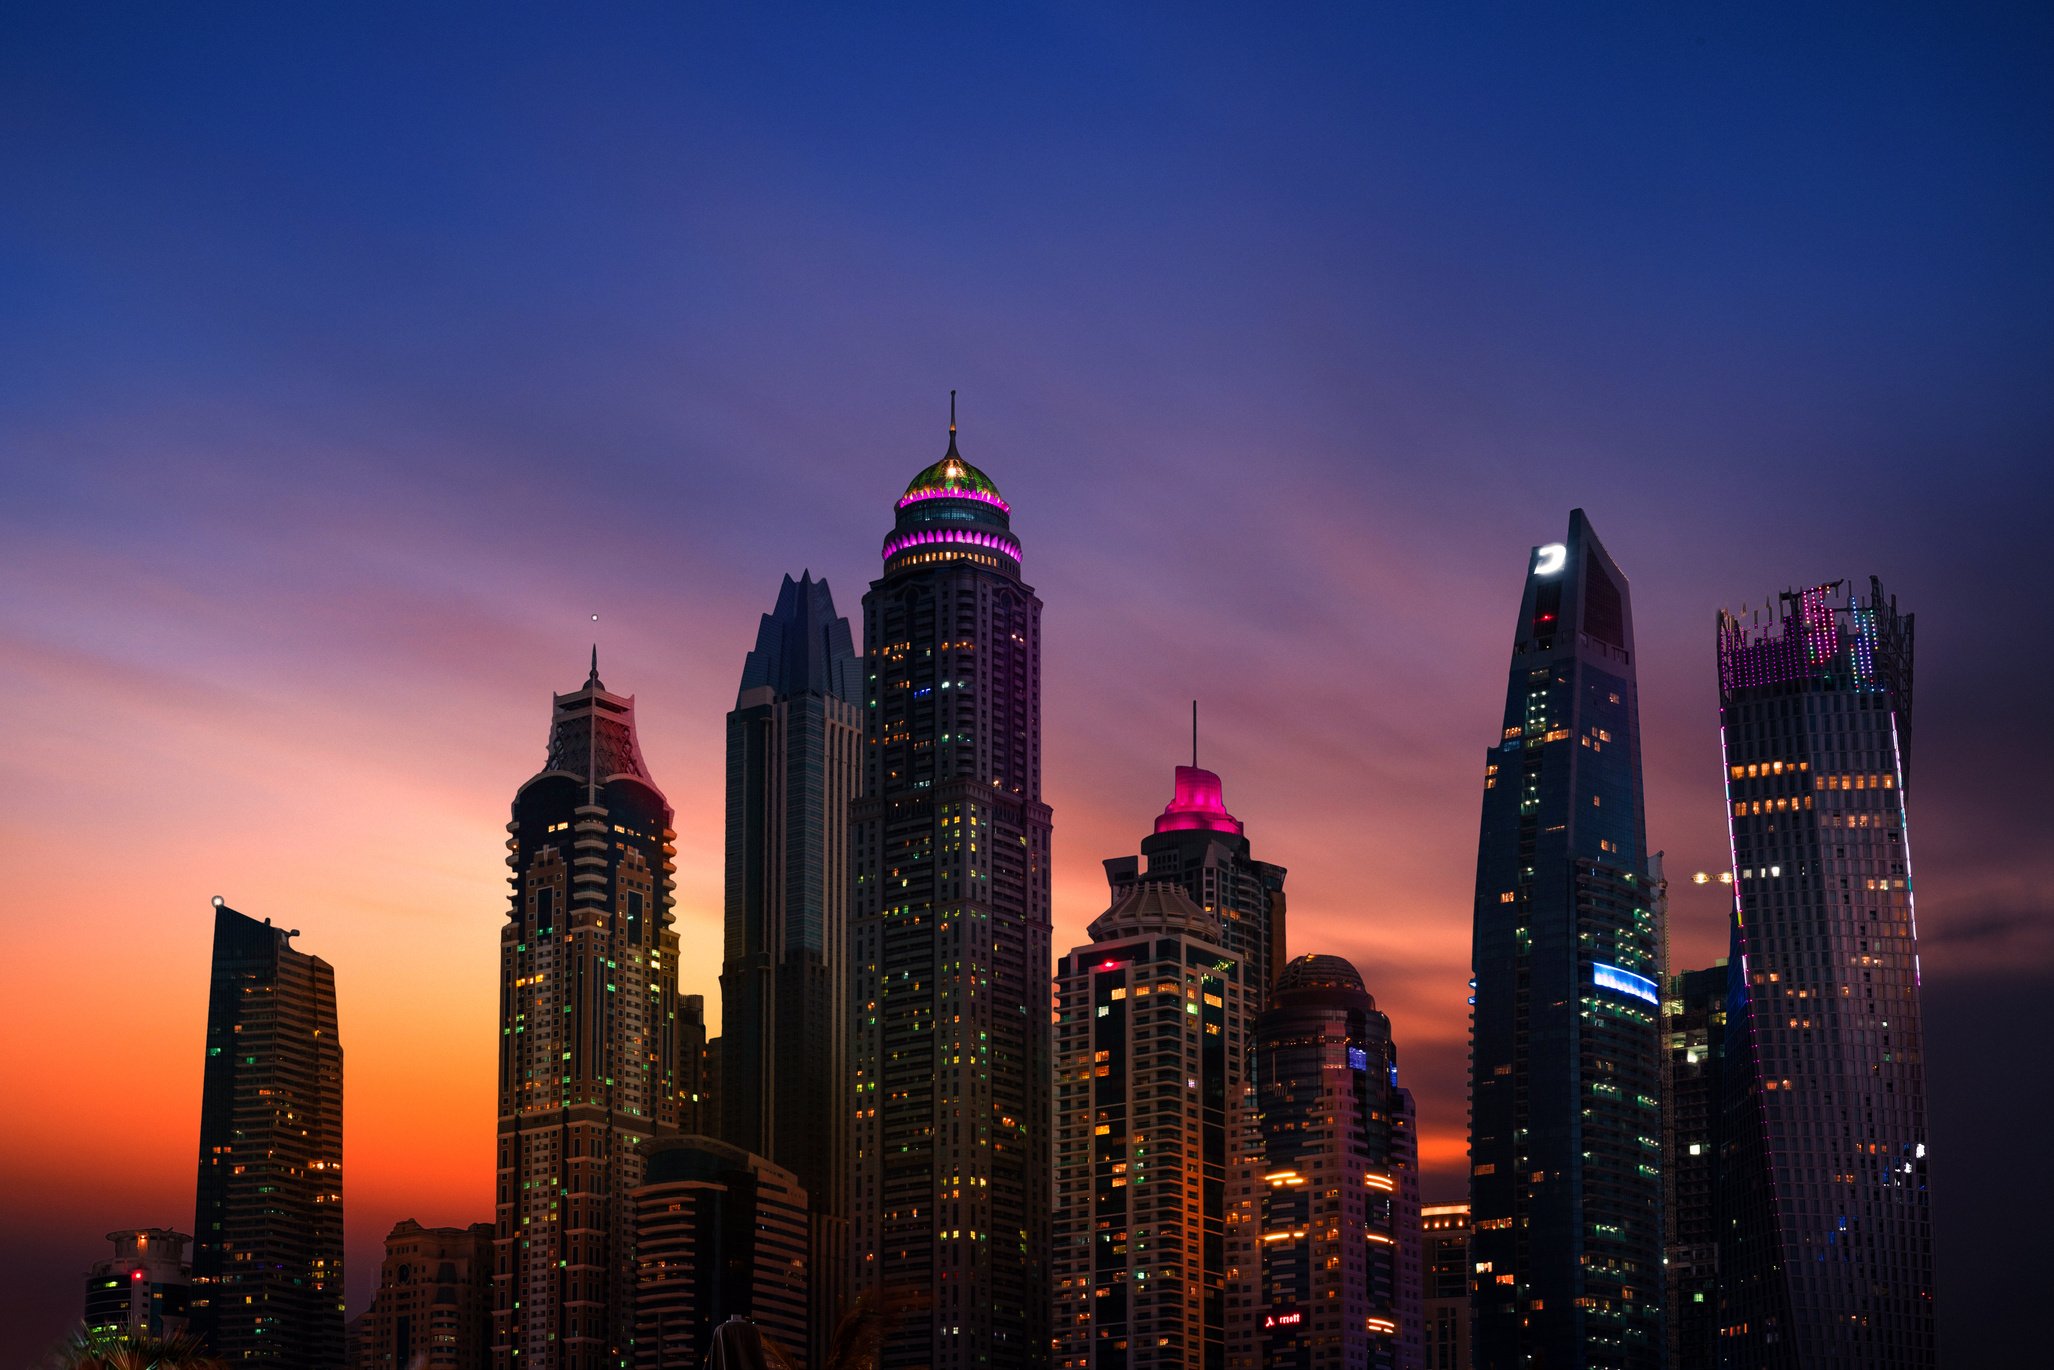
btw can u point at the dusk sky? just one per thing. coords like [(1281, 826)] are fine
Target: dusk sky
[(350, 364)]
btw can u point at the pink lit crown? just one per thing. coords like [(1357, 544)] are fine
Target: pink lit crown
[(1197, 803)]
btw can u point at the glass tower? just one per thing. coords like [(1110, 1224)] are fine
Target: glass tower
[(1826, 1260), (1693, 1102), (793, 740), (952, 1045), (591, 1061), (1150, 1110), (267, 1250), (1565, 1064)]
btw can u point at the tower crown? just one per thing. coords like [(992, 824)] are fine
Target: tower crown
[(1198, 802), (952, 512)]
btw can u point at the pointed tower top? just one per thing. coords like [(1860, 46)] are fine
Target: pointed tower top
[(952, 424), (592, 682)]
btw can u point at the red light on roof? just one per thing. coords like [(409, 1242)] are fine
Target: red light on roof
[(1110, 965), (1197, 803)]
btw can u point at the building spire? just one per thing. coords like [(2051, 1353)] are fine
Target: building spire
[(1194, 734), (592, 681), (952, 452)]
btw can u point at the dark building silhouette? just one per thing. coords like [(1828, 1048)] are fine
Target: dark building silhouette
[(592, 1059), (1444, 1255), (1335, 1210), (793, 742), (433, 1308), (719, 1234), (952, 1043), (1150, 1111), (1693, 1100), (1826, 1255), (1565, 1063), (1200, 846), (267, 1225), (145, 1287)]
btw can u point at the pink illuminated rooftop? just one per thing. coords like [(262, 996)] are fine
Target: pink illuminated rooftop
[(1197, 804)]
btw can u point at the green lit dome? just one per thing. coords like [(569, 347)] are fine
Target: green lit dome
[(952, 477)]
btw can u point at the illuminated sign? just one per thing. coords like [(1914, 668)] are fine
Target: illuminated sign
[(1283, 1320), (1625, 982), (1358, 1058), (1549, 559)]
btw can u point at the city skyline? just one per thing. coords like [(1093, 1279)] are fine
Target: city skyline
[(1280, 431)]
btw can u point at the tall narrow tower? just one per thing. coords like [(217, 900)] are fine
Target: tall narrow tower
[(951, 938), (267, 1250), (590, 1058), (1565, 1125), (1150, 1108), (792, 745), (1826, 1252)]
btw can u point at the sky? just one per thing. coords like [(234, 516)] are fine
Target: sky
[(353, 358)]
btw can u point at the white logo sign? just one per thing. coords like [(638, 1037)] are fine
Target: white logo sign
[(1549, 559)]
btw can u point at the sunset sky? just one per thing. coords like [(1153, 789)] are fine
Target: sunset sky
[(352, 364)]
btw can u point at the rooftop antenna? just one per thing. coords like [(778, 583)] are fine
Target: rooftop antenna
[(952, 411), (1194, 734)]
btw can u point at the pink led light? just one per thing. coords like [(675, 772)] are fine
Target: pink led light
[(1197, 803), (914, 496), (928, 537)]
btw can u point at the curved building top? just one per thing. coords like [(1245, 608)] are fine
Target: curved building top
[(1316, 978), (1197, 802), (952, 512)]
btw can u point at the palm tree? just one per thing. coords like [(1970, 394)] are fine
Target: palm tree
[(106, 1348)]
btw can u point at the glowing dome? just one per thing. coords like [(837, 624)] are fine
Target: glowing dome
[(953, 478)]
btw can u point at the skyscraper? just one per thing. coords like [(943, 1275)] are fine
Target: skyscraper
[(1203, 848), (433, 1308), (1693, 1103), (1444, 1255), (1150, 1106), (146, 1286), (793, 741), (267, 1249), (1826, 1259), (719, 1233), (1565, 1065), (590, 1057), (1337, 1204), (952, 1048)]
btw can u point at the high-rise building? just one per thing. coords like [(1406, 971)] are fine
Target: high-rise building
[(1565, 1061), (793, 741), (1826, 1258), (1444, 1254), (952, 1045), (719, 1233), (1336, 1207), (267, 1225), (591, 1064), (1200, 846), (145, 1287), (1693, 1102), (1150, 1108), (433, 1308)]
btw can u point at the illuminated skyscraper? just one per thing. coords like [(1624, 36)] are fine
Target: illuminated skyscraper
[(1203, 848), (1336, 1206), (1565, 1062), (1150, 1110), (1826, 1258), (591, 1061), (793, 741), (267, 1249), (1444, 1242), (952, 1045), (1693, 1102)]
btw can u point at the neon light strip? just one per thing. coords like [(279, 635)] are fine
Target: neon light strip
[(1625, 982), (1904, 826), (915, 496), (927, 537)]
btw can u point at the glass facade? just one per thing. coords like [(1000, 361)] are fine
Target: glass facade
[(1565, 1073), (1826, 1257)]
